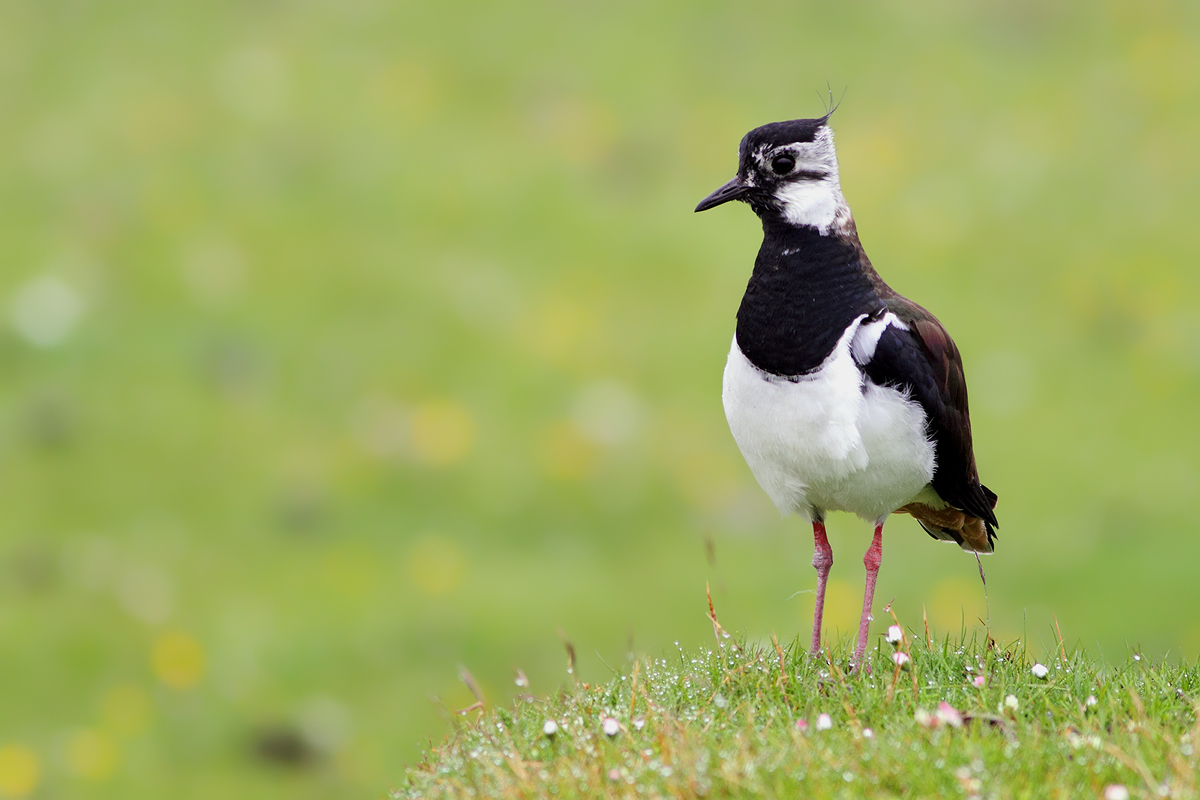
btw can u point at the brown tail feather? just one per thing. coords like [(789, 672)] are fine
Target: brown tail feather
[(950, 524)]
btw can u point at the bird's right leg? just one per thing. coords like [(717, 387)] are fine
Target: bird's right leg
[(822, 561)]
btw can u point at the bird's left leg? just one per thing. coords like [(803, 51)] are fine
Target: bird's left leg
[(872, 560)]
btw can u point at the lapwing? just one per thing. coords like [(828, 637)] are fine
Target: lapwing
[(841, 394)]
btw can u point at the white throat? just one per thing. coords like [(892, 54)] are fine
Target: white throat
[(818, 204), (813, 203)]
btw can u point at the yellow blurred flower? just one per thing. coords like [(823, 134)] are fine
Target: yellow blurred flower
[(442, 432), (555, 328), (707, 480), (436, 564), (580, 130), (565, 453), (20, 770), (1165, 64), (843, 605), (955, 601), (125, 710), (92, 754), (178, 660)]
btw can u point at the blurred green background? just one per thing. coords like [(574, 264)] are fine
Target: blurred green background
[(343, 343)]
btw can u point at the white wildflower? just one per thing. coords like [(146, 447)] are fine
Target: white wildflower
[(948, 715), (901, 659), (1011, 703), (1091, 701), (1115, 791), (1039, 670), (610, 726), (895, 635), (550, 727), (824, 722)]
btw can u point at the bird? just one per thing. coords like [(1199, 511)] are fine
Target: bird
[(841, 394)]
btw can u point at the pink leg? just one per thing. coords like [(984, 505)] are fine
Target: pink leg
[(871, 561), (822, 561)]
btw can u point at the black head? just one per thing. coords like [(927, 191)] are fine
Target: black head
[(779, 163)]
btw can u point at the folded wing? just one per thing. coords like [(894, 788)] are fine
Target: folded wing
[(916, 355)]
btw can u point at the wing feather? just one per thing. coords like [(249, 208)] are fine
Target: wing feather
[(921, 359)]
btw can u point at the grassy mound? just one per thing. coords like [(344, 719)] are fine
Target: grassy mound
[(960, 719)]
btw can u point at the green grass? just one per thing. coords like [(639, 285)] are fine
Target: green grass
[(742, 720)]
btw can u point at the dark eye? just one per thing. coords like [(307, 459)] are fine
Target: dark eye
[(782, 165)]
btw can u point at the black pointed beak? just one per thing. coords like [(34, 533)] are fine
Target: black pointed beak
[(730, 191)]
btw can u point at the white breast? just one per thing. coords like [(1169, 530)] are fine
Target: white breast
[(830, 440)]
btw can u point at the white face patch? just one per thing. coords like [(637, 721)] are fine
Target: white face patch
[(816, 204), (812, 202), (819, 155)]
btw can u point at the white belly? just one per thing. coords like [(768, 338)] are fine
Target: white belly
[(831, 440)]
